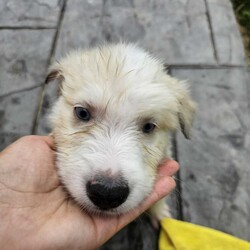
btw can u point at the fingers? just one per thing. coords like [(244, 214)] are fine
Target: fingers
[(161, 189), (30, 139), (49, 140), (170, 167), (163, 186)]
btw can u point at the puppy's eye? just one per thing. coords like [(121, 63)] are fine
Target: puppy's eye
[(82, 113), (148, 127)]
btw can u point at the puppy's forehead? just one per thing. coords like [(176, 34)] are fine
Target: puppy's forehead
[(121, 77)]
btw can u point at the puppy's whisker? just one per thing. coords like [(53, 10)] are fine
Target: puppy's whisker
[(77, 132), (176, 192), (129, 72), (184, 183)]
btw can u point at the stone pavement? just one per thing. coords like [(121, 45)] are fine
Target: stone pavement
[(199, 41)]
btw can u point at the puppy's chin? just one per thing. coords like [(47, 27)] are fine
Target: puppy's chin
[(93, 210), (106, 213)]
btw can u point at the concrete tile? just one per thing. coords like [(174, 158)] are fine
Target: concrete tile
[(17, 114), (81, 26), (29, 13), (228, 42), (24, 58), (215, 163), (177, 31)]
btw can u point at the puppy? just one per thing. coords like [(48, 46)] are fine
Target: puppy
[(112, 124)]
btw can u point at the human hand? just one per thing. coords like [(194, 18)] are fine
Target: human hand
[(36, 212)]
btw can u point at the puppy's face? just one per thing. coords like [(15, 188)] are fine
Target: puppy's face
[(111, 124)]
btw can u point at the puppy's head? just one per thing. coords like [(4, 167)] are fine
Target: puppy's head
[(111, 123)]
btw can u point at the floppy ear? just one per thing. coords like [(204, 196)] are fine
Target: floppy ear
[(186, 116), (186, 110), (54, 74), (185, 106)]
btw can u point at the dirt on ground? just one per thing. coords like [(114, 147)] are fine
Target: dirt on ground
[(246, 39)]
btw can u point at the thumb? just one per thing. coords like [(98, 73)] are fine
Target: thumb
[(163, 186)]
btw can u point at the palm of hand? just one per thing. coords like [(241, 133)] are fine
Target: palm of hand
[(36, 211)]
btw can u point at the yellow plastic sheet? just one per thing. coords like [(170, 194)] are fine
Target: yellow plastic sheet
[(179, 235)]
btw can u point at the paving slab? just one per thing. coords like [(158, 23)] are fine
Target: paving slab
[(227, 38), (181, 36), (177, 31), (81, 26), (17, 114), (24, 58), (215, 163), (37, 13)]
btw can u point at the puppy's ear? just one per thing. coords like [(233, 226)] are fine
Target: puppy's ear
[(186, 116), (54, 74), (186, 110)]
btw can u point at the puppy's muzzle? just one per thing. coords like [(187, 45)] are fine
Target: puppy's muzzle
[(107, 192)]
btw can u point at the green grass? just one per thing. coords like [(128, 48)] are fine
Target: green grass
[(242, 10)]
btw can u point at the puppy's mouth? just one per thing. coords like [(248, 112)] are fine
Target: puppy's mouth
[(107, 193)]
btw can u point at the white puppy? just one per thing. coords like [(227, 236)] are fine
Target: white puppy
[(112, 125)]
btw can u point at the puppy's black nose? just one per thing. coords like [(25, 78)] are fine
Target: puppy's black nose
[(107, 192)]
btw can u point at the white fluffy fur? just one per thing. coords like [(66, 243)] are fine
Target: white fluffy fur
[(123, 87)]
